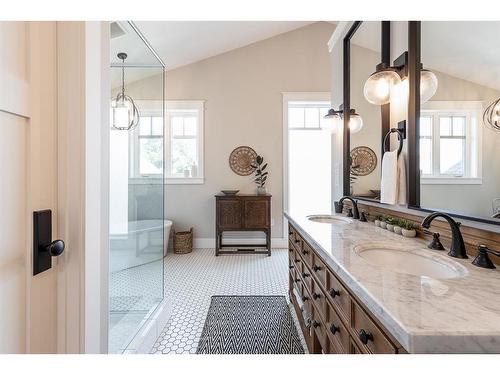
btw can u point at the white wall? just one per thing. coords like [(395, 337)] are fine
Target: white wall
[(363, 62), (242, 89)]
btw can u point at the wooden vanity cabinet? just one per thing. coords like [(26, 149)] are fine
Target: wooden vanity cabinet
[(338, 323)]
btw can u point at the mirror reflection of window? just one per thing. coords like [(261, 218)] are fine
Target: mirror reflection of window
[(459, 163)]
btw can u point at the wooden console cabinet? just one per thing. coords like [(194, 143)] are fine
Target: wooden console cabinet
[(242, 212), (338, 322)]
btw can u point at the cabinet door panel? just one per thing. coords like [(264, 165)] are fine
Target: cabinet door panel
[(230, 214), (256, 213)]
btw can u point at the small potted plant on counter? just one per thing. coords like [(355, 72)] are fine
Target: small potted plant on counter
[(408, 229), (260, 175), (389, 221), (397, 226)]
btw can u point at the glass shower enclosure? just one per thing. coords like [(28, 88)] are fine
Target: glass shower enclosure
[(137, 229)]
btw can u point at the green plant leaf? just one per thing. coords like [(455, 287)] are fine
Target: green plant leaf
[(264, 166), (259, 159)]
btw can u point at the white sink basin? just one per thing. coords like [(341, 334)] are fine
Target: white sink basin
[(330, 219), (417, 262)]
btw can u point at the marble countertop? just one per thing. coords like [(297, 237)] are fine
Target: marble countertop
[(426, 315)]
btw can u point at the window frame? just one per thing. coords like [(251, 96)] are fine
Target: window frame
[(469, 110), (149, 108)]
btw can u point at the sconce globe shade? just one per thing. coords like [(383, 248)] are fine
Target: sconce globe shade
[(377, 89), (428, 85), (333, 124), (355, 123)]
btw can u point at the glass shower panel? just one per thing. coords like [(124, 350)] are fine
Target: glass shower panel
[(137, 243)]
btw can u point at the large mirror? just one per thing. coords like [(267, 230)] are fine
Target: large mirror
[(459, 151), (366, 130)]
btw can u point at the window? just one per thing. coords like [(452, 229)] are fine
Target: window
[(307, 180), (449, 143), (150, 145), (183, 135)]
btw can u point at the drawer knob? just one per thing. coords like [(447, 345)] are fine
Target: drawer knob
[(316, 268), (334, 329), (365, 336), (297, 260), (316, 295), (297, 280), (304, 298), (305, 274), (291, 267), (305, 252), (290, 233), (297, 241), (334, 292), (290, 250), (315, 324)]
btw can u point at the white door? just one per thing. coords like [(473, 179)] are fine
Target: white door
[(28, 182)]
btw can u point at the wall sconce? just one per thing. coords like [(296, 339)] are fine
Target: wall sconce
[(378, 86), (124, 112), (336, 117)]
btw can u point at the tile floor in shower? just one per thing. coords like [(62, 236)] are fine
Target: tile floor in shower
[(190, 281)]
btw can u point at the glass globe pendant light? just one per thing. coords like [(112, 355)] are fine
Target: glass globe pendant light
[(335, 120), (428, 85), (491, 115), (377, 89), (336, 123), (355, 122), (124, 112)]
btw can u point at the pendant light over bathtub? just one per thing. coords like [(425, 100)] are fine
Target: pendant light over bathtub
[(491, 115), (336, 120), (378, 86), (124, 112)]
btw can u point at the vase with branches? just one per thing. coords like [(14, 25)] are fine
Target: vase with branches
[(260, 175)]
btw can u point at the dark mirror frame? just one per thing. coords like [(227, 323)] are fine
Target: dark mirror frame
[(414, 65), (384, 109)]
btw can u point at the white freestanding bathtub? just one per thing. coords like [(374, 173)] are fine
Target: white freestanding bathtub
[(144, 242)]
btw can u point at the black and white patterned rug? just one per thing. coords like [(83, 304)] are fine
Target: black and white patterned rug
[(249, 325)]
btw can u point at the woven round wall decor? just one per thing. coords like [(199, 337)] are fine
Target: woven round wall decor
[(241, 160), (364, 161)]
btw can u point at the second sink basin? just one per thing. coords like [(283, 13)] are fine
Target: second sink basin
[(411, 261), (330, 219)]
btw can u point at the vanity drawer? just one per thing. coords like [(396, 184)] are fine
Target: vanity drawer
[(319, 299), (307, 254), (294, 238), (338, 295), (319, 328), (369, 336), (319, 270), (336, 330), (306, 277)]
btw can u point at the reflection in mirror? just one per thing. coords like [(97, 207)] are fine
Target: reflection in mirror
[(459, 152), (365, 140)]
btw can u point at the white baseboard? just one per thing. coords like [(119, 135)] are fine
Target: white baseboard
[(208, 243)]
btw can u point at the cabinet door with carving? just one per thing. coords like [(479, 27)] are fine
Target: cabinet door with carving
[(229, 212), (256, 213)]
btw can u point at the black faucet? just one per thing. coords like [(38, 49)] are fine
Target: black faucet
[(457, 248), (355, 214)]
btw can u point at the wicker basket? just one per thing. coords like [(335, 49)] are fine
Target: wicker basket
[(183, 242)]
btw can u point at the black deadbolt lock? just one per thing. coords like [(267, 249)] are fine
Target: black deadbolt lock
[(43, 246)]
